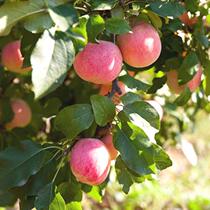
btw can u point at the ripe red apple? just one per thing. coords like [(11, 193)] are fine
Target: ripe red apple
[(12, 59), (90, 161), (108, 141), (187, 20), (172, 81), (22, 114), (99, 63), (141, 47), (157, 107)]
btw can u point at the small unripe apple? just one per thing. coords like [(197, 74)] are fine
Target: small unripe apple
[(12, 59), (141, 47), (90, 161), (99, 63), (172, 81), (22, 114), (108, 141), (187, 20), (157, 107)]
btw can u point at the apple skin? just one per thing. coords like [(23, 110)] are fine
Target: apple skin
[(108, 141), (22, 114), (99, 63), (141, 47), (172, 81), (90, 161), (157, 107), (187, 20), (12, 59)]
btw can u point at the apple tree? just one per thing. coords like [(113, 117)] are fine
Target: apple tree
[(90, 86)]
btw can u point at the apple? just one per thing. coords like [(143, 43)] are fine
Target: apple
[(12, 59), (141, 47), (99, 63), (90, 161), (22, 114), (172, 81)]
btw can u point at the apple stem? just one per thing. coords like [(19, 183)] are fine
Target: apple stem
[(115, 89)]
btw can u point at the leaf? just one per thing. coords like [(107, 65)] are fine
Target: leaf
[(157, 83), (63, 16), (51, 107), (74, 119), (103, 109), (133, 83), (130, 98), (6, 113), (74, 206), (131, 152), (11, 13), (207, 80), (124, 175), (103, 4), (117, 25), (95, 193), (45, 197), (58, 203), (164, 9), (17, 164), (50, 62), (155, 19), (70, 191), (7, 198), (95, 26), (38, 23), (183, 98), (144, 110), (188, 68)]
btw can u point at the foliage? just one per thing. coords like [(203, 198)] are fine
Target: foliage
[(34, 163)]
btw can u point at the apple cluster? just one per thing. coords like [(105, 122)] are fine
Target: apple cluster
[(100, 63)]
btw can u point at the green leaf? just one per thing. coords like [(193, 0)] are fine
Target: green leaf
[(183, 98), (124, 175), (207, 80), (157, 83), (7, 198), (17, 164), (51, 107), (155, 19), (130, 98), (50, 62), (103, 109), (45, 197), (188, 68), (117, 26), (144, 110), (74, 206), (103, 4), (95, 26), (38, 23), (131, 152), (6, 113), (74, 119), (11, 13), (63, 16), (133, 83), (70, 190), (58, 203), (95, 193), (167, 8)]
